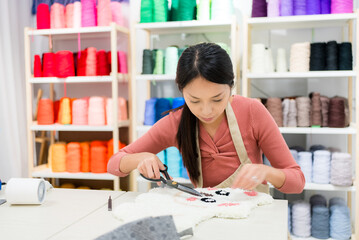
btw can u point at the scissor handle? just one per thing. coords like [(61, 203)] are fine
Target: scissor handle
[(161, 179)]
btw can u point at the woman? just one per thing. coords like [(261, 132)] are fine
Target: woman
[(221, 137)]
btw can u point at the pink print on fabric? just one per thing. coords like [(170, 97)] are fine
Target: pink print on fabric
[(211, 189), (251, 193), (228, 204), (191, 199)]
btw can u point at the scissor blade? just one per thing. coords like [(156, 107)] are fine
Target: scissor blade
[(188, 190)]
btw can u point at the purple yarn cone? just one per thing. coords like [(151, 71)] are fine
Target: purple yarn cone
[(286, 8), (313, 7), (325, 6), (259, 8), (299, 7)]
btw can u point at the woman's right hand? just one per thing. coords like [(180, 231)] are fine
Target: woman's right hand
[(150, 165)]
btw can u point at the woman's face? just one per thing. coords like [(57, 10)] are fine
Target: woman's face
[(205, 99)]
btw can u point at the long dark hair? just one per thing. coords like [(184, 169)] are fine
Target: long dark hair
[(210, 61)]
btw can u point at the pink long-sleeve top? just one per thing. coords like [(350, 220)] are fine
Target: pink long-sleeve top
[(219, 158)]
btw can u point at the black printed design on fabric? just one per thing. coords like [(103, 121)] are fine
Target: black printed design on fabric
[(222, 193), (208, 200)]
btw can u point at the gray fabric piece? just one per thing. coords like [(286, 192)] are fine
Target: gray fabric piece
[(151, 228)]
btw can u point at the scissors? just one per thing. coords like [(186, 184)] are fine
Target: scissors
[(173, 184)]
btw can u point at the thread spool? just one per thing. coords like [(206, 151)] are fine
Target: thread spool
[(65, 64), (274, 106), (91, 62), (320, 222), (259, 8), (110, 147), (25, 191), (45, 113), (122, 110), (160, 10), (69, 14), (158, 69), (325, 6), (43, 16), (85, 157), (150, 111), (58, 157), (37, 66), (294, 154), (324, 100), (117, 13), (318, 200), (147, 67), (65, 111), (104, 14), (221, 10), (73, 157), (57, 15), (171, 60), (301, 221), (299, 7), (273, 8), (102, 64), (122, 61), (285, 107), (318, 56), (292, 113), (203, 10), (49, 65), (341, 6), (317, 147), (281, 60), (80, 111), (162, 105), (341, 169), (289, 217), (98, 163), (321, 167), (340, 225), (305, 163), (178, 102), (316, 113), (345, 56), (303, 110), (258, 58), (183, 10), (336, 112), (77, 14), (88, 13), (81, 63), (268, 65), (286, 7), (337, 201), (299, 57), (313, 7), (332, 56), (146, 11), (173, 157), (96, 112)]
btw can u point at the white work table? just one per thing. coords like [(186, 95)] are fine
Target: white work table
[(83, 214)]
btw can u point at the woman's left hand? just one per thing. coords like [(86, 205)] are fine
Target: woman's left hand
[(250, 176)]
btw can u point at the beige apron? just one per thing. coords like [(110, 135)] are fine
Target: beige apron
[(240, 149)]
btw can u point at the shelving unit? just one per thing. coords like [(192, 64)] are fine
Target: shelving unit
[(313, 22), (182, 28), (112, 34)]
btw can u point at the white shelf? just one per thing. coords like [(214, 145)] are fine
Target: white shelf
[(327, 187), (323, 130), (178, 179), (42, 172), (65, 33), (155, 77), (79, 79), (311, 74), (69, 127), (185, 27), (303, 21)]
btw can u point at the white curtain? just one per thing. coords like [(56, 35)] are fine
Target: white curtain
[(14, 16)]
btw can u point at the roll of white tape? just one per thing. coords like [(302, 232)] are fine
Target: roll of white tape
[(25, 191)]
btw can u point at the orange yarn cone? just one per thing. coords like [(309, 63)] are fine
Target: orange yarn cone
[(65, 111), (73, 157), (58, 157), (110, 148), (85, 157), (98, 157), (45, 112)]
